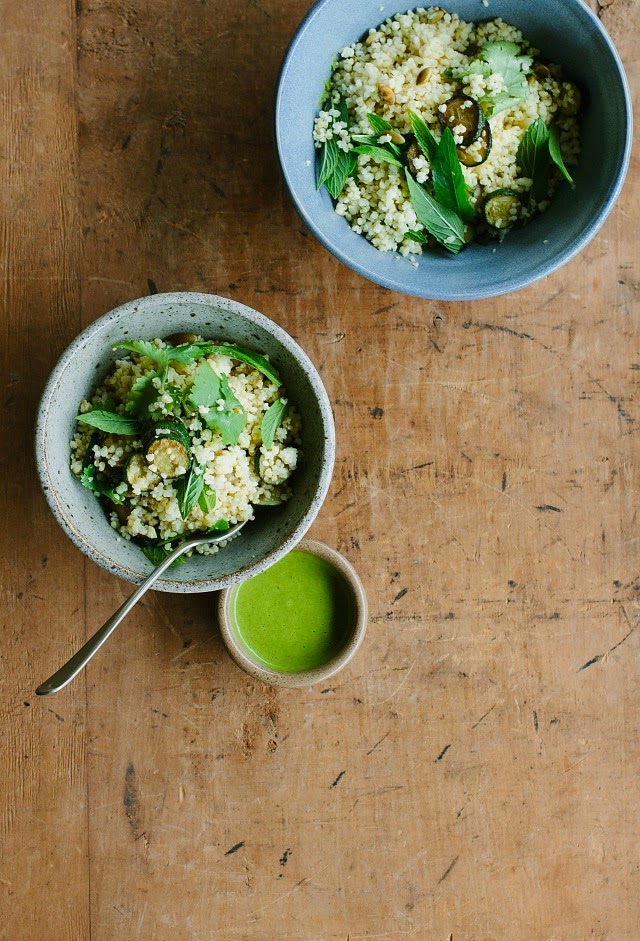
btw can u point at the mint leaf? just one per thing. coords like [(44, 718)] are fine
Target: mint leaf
[(219, 527), (379, 125), (205, 390), (90, 481), (555, 152), (207, 499), (271, 421), (189, 489), (426, 141), (448, 182), (416, 237), (336, 165), (506, 59), (378, 153), (442, 223), (372, 141), (533, 159), (261, 363), (231, 419), (110, 422)]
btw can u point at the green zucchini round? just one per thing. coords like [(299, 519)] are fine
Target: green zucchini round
[(462, 110), (167, 447), (484, 149), (499, 208)]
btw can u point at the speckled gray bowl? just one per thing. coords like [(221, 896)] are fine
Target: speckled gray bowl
[(357, 629), (275, 531)]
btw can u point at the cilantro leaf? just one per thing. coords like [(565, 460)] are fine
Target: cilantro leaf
[(90, 481), (205, 390), (442, 223), (110, 422), (231, 419), (142, 396), (271, 421), (533, 159), (145, 348), (555, 152), (506, 59), (426, 141), (448, 182)]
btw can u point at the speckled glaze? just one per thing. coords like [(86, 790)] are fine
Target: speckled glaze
[(275, 531), (255, 668), (567, 32)]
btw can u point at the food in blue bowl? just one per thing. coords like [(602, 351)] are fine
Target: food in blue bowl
[(423, 137)]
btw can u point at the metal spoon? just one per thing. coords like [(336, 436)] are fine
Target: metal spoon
[(80, 659)]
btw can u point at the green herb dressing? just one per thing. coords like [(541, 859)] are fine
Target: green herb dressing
[(295, 616)]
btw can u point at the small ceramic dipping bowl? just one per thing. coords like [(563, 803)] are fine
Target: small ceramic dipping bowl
[(298, 623)]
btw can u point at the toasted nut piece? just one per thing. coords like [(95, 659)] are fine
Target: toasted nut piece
[(413, 151), (387, 94), (396, 137), (422, 76), (541, 71), (436, 15)]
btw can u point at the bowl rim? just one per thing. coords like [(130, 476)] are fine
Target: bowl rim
[(91, 335), (507, 285), (305, 678)]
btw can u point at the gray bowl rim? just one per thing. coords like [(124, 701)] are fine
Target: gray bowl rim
[(306, 678), (509, 284), (90, 335)]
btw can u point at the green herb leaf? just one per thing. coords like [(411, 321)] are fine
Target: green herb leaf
[(142, 396), (271, 421), (533, 159), (416, 237), (555, 152), (207, 499), (378, 153), (426, 141), (110, 422), (157, 555), (189, 489), (145, 348), (442, 223), (379, 124), (336, 165), (261, 363), (205, 390), (90, 481), (232, 419), (448, 182), (219, 527), (506, 59)]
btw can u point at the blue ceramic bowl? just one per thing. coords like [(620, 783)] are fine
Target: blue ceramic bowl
[(275, 531), (566, 32)]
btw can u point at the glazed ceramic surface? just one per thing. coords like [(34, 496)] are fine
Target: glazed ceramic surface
[(566, 32), (254, 667), (276, 530)]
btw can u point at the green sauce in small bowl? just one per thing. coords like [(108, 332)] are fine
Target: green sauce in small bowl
[(298, 622)]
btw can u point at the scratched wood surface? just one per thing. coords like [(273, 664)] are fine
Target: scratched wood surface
[(475, 771)]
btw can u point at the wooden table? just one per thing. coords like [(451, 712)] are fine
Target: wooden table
[(476, 770)]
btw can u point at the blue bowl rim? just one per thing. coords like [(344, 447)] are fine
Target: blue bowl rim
[(89, 336), (507, 285)]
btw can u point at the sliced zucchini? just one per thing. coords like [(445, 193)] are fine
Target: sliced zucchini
[(463, 111), (138, 473), (482, 149), (167, 447), (502, 208)]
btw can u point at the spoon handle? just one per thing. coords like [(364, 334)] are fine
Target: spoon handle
[(80, 659)]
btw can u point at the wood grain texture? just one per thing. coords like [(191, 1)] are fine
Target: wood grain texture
[(475, 771)]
